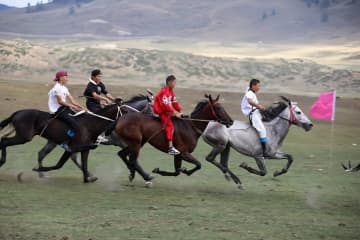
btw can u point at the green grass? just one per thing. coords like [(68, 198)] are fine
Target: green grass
[(316, 199)]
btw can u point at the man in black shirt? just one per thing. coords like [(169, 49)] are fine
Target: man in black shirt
[(93, 92)]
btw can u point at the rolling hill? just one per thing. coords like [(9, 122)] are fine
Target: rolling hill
[(231, 20)]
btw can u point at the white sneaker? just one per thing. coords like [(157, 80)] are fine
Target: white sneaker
[(102, 139), (173, 151)]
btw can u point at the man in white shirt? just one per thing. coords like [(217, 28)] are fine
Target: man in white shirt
[(58, 106), (251, 108)]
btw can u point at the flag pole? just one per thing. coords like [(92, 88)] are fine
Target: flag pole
[(332, 128)]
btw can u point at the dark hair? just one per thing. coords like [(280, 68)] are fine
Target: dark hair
[(253, 82), (170, 78), (95, 72)]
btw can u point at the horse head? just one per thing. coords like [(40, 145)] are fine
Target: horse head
[(218, 112), (297, 116)]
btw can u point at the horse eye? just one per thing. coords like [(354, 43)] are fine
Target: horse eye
[(298, 112)]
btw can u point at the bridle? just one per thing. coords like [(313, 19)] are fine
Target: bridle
[(292, 119)]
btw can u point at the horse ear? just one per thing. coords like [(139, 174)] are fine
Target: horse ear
[(150, 92), (206, 95), (286, 100), (118, 101), (217, 98)]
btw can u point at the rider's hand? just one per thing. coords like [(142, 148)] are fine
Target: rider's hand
[(178, 115), (262, 108)]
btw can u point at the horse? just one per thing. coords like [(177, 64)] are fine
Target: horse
[(245, 139), (137, 129), (138, 103), (30, 122)]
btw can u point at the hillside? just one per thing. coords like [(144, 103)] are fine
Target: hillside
[(39, 60), (232, 20)]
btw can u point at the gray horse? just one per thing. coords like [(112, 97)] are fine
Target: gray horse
[(245, 139)]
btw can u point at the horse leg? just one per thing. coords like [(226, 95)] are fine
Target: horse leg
[(224, 159), (84, 167), (134, 164), (58, 165), (75, 161), (5, 142), (261, 165), (42, 154), (124, 154), (288, 164), (177, 166), (189, 158)]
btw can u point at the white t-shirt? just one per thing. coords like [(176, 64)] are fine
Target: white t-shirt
[(246, 108), (57, 90)]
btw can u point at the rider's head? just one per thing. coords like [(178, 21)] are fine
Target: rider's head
[(60, 75), (254, 85), (171, 81), (96, 75)]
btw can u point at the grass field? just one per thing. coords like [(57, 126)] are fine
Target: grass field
[(314, 200)]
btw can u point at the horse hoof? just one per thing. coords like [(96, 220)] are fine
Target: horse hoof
[(150, 177), (240, 186), (148, 184), (227, 176), (41, 174), (243, 165), (19, 177), (91, 179), (156, 170), (36, 170), (131, 178)]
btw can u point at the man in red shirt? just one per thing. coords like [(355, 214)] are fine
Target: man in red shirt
[(166, 106)]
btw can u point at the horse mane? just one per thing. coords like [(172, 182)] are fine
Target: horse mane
[(136, 98), (199, 106), (273, 111)]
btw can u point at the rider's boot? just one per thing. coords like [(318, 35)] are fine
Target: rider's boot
[(265, 152)]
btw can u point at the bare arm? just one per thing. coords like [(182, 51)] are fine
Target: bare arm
[(73, 104), (257, 105), (99, 97)]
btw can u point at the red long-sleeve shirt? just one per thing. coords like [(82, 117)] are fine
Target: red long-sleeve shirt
[(165, 101)]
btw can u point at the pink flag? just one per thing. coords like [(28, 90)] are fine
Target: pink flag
[(324, 107)]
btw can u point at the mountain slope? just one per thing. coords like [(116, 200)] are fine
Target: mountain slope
[(232, 20)]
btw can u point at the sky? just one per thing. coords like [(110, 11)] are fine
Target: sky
[(20, 3)]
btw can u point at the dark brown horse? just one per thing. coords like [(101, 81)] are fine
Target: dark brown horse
[(30, 122), (137, 129), (138, 103)]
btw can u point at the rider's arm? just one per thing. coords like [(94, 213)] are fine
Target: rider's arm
[(74, 104), (109, 96), (99, 97), (257, 105)]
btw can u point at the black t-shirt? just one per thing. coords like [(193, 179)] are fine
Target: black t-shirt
[(98, 89)]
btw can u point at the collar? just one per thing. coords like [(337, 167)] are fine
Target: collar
[(92, 81)]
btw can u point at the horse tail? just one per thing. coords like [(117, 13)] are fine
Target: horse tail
[(4, 123)]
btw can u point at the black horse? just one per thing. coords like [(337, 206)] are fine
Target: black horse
[(138, 103), (30, 122)]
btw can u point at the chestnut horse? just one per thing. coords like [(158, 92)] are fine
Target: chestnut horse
[(136, 129)]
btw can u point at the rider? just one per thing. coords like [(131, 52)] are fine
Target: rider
[(58, 106), (251, 108), (166, 106), (93, 92)]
